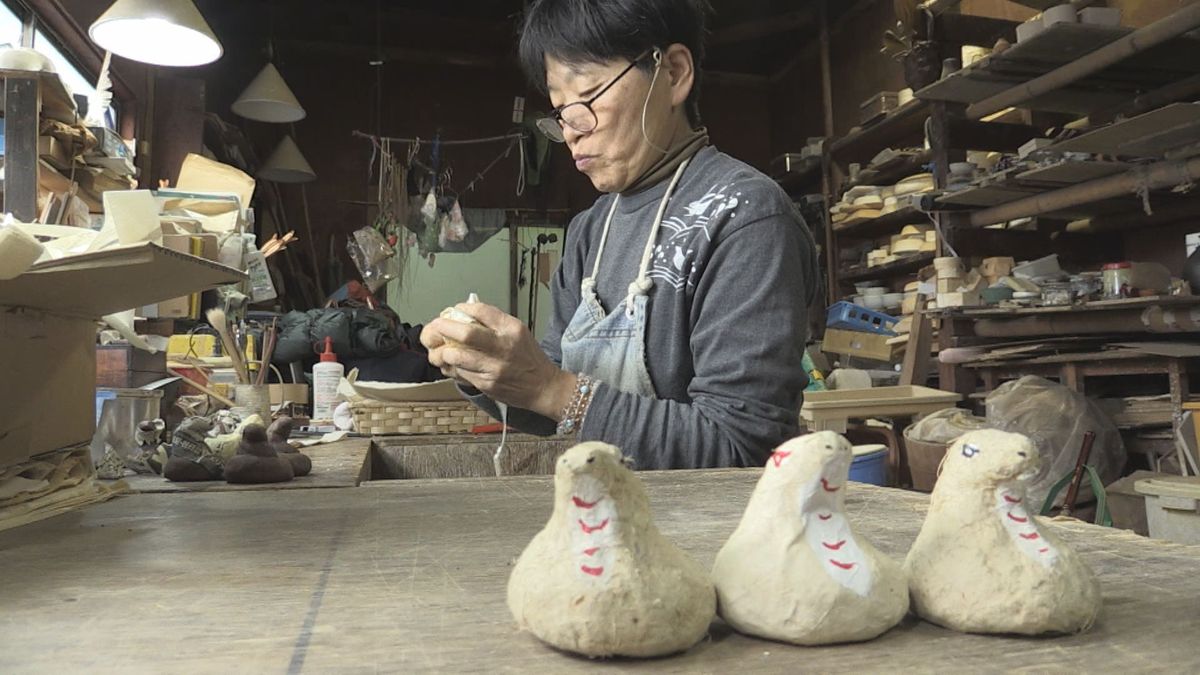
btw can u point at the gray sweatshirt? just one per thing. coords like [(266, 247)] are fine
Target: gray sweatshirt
[(734, 272)]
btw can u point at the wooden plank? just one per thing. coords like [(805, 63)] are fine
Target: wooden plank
[(21, 107), (410, 577), (915, 369), (901, 267), (463, 456)]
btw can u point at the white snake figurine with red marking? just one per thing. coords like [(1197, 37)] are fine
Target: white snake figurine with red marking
[(982, 562), (794, 570), (599, 579)]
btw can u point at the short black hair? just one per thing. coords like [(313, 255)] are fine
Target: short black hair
[(598, 31)]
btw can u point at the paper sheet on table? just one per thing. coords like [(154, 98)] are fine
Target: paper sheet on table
[(201, 174), (442, 390), (130, 217)]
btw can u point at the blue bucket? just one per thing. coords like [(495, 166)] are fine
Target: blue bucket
[(869, 465)]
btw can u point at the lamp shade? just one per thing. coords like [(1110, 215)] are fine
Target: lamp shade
[(287, 164), (268, 99), (160, 32)]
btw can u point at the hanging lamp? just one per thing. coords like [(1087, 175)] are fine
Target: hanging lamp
[(287, 164), (269, 99), (158, 32)]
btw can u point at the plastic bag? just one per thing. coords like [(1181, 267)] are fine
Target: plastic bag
[(944, 426), (457, 228), (370, 252), (1056, 418)]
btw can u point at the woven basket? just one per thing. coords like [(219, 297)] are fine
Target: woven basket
[(440, 417)]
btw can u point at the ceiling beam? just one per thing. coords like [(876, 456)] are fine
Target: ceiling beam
[(398, 54), (761, 28)]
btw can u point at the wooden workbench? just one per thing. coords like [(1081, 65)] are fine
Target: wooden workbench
[(409, 576)]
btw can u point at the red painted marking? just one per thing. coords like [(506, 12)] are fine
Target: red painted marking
[(582, 504), (842, 565), (1011, 500), (1017, 518), (1044, 550), (1031, 536), (591, 551), (779, 456), (588, 529), (825, 484), (834, 547), (824, 516), (594, 571)]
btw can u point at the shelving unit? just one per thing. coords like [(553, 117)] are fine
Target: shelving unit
[(892, 270), (887, 223)]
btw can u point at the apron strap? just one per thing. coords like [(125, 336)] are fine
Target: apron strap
[(590, 281), (642, 284)]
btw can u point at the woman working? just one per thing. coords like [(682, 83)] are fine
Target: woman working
[(679, 314)]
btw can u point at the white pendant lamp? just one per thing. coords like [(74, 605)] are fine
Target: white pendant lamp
[(287, 165), (269, 99), (159, 32)]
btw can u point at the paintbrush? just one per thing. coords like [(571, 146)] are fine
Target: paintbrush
[(268, 350), (216, 318)]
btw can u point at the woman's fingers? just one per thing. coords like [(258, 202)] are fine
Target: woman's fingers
[(493, 318)]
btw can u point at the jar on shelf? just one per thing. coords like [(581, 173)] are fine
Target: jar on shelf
[(1087, 285), (1117, 280), (1057, 293)]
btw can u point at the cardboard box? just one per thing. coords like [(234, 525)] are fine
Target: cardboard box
[(48, 336), (181, 307), (296, 393), (126, 367), (854, 343)]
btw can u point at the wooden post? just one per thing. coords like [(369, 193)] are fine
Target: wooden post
[(22, 106), (915, 369), (828, 184), (514, 254)]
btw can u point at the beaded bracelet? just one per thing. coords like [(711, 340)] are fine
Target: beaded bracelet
[(574, 412)]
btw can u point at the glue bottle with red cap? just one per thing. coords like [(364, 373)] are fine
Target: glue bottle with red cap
[(327, 375)]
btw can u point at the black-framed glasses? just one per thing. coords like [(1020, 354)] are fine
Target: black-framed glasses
[(579, 115)]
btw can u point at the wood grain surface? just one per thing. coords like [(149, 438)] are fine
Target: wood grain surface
[(409, 576)]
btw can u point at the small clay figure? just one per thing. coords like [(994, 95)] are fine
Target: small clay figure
[(794, 569), (278, 434), (256, 461), (148, 435), (599, 579), (189, 457), (982, 562)]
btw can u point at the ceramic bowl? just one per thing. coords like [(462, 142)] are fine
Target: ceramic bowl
[(873, 291), (873, 302)]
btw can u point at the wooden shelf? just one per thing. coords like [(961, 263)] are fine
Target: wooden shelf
[(1057, 46), (1096, 306), (883, 225), (893, 171), (796, 182), (899, 268), (899, 128)]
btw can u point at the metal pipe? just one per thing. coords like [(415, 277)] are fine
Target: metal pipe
[(1140, 40), (1151, 177)]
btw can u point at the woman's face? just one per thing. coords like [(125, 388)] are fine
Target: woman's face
[(615, 153)]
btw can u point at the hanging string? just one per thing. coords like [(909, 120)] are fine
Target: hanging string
[(464, 141)]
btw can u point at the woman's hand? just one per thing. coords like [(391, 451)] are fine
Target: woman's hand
[(499, 357)]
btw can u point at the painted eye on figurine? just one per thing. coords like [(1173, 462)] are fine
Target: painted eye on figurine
[(969, 451)]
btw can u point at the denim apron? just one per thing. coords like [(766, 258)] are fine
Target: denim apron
[(612, 347)]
